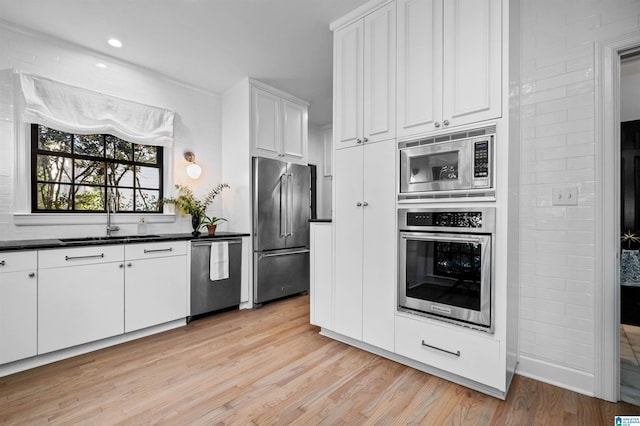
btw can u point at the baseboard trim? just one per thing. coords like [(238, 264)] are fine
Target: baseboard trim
[(556, 375)]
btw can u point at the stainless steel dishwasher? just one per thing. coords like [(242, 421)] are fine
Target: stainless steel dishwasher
[(206, 295)]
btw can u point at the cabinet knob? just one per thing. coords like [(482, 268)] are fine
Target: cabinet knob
[(358, 204), (121, 265), (1, 262), (437, 124), (129, 264), (365, 140), (32, 274), (446, 122), (365, 204), (358, 140)]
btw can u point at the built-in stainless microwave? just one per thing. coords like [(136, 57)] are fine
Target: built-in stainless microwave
[(459, 164)]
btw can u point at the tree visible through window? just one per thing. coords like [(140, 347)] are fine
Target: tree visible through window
[(77, 173)]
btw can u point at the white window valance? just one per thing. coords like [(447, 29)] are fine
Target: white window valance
[(75, 110)]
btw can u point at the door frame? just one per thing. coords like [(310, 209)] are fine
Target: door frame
[(607, 215)]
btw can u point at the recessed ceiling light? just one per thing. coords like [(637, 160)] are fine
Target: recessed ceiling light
[(101, 65), (115, 42)]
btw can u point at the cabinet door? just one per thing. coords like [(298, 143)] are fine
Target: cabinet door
[(155, 291), (348, 85), (419, 66), (380, 74), (79, 304), (472, 60), (18, 306), (294, 131), (265, 123), (347, 292), (379, 245)]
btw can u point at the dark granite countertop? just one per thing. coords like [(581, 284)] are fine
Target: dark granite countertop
[(320, 220), (19, 245)]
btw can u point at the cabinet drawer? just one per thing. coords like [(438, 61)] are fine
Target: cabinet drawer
[(18, 261), (151, 250), (80, 256), (453, 349)]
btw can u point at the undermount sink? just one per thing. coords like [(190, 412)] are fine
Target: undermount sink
[(107, 238)]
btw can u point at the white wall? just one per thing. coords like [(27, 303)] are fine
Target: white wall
[(630, 90), (559, 40), (197, 123), (323, 183)]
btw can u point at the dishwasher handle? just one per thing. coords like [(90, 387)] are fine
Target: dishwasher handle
[(209, 244)]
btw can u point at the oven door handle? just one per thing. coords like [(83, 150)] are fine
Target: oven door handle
[(422, 237)]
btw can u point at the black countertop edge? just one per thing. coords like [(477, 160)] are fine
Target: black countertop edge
[(320, 220), (22, 245)]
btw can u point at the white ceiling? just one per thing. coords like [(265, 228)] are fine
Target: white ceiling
[(210, 44)]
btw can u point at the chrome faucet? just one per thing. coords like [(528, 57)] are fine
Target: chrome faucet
[(110, 228)]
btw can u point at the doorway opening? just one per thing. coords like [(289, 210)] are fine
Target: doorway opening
[(629, 277)]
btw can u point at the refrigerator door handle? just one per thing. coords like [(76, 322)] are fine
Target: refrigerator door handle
[(290, 201), (285, 253), (283, 211)]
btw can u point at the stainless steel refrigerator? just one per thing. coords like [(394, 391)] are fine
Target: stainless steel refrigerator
[(281, 210)]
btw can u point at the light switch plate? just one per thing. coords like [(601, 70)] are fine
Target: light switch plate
[(565, 196)]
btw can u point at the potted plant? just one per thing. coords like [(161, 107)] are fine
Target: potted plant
[(187, 203), (211, 222), (630, 259)]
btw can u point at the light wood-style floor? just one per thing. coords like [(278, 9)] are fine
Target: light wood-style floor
[(269, 366)]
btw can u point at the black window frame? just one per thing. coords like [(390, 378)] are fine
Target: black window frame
[(35, 151)]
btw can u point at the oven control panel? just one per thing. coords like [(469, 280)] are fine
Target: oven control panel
[(445, 219), (480, 219)]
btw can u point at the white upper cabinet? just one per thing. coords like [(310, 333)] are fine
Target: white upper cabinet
[(365, 78), (278, 126), (449, 63)]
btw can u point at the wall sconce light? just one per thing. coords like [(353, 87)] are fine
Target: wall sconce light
[(193, 170)]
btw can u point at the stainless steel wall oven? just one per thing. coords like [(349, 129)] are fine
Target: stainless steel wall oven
[(446, 264)]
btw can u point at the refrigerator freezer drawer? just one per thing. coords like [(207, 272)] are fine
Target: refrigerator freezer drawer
[(280, 274)]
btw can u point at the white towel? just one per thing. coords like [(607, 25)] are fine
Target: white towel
[(219, 261)]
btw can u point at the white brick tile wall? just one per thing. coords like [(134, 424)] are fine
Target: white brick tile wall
[(558, 45)]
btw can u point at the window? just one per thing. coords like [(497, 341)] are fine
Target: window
[(77, 173)]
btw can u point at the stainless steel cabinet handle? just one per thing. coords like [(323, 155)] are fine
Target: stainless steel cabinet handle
[(32, 274), (158, 250), (457, 353), (446, 122), (365, 204), (286, 253), (437, 124), (358, 204), (91, 256)]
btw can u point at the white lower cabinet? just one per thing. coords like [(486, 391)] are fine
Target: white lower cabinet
[(80, 296), (18, 305), (456, 350), (365, 243), (155, 284)]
